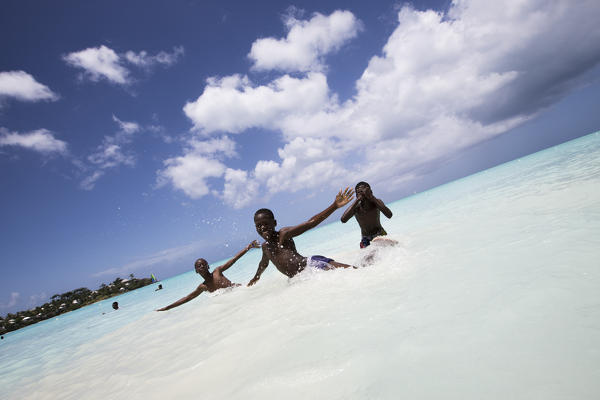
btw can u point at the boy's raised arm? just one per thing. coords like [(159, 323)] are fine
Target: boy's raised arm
[(201, 288), (380, 205), (262, 265), (224, 267), (349, 213), (343, 197)]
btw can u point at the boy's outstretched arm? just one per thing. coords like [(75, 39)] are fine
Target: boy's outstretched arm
[(201, 288), (224, 267), (262, 265), (341, 199), (349, 213), (380, 205)]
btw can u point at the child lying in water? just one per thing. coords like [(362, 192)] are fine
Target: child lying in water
[(212, 280), (279, 246)]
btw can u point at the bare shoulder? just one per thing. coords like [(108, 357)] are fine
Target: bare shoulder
[(201, 287), (285, 233), (217, 271)]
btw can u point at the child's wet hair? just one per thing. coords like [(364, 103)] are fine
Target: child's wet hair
[(264, 211), (361, 183), (199, 262)]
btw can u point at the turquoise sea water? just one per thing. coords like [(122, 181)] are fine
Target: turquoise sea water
[(491, 293)]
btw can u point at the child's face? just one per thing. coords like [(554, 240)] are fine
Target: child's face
[(202, 268), (362, 191), (265, 226)]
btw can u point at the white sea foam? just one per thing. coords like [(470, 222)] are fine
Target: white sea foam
[(492, 292)]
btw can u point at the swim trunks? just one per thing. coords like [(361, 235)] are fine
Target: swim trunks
[(366, 240), (319, 262)]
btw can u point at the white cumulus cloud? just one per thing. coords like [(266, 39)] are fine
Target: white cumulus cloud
[(99, 62), (40, 140), (306, 42), (441, 83), (234, 104), (104, 63), (22, 86), (239, 189), (190, 172)]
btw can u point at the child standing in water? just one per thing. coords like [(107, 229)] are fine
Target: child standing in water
[(279, 246), (212, 280), (366, 209)]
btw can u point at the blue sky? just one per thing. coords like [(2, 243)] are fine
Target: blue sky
[(138, 136)]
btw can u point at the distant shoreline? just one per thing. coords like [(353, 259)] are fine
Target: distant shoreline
[(70, 301)]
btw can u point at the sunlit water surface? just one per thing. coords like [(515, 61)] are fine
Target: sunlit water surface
[(492, 293)]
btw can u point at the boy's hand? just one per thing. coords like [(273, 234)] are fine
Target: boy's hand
[(365, 194), (254, 245), (344, 197), (252, 281)]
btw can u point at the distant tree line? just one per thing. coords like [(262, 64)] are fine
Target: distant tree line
[(69, 301)]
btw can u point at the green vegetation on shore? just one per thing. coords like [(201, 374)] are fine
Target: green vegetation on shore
[(69, 301)]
